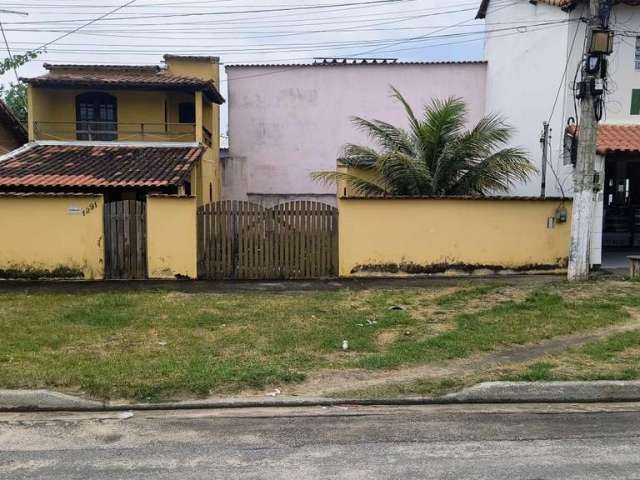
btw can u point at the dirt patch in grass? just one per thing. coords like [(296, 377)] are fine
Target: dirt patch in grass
[(387, 337), (502, 363), (159, 345)]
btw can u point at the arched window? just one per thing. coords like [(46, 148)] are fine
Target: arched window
[(96, 116)]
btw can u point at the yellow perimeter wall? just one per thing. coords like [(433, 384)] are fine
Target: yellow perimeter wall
[(511, 233), (171, 237), (52, 233)]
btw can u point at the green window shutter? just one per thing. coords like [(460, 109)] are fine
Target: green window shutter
[(635, 102)]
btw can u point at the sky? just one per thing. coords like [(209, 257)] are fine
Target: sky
[(240, 31)]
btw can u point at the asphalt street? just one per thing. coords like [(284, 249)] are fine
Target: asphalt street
[(589, 441)]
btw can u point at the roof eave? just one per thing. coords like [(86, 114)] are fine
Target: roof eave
[(210, 90)]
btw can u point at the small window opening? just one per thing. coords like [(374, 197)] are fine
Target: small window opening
[(635, 102), (187, 112)]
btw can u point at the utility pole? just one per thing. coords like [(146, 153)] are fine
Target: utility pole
[(590, 94), (544, 141)]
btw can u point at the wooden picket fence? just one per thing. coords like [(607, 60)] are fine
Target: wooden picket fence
[(242, 240), (125, 232)]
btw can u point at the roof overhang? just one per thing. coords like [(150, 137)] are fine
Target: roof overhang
[(618, 139), (209, 89)]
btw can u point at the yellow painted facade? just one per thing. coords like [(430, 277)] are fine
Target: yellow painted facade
[(52, 233), (147, 116), (171, 237), (377, 235)]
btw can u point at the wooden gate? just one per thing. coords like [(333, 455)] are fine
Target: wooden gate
[(125, 232), (242, 240)]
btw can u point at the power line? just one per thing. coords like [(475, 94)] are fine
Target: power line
[(6, 43), (263, 21), (374, 50), (308, 47), (91, 22), (217, 13), (480, 38), (286, 68), (281, 46), (564, 72)]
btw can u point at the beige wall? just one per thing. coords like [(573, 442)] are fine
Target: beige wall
[(427, 234), (134, 107), (203, 67), (171, 237), (45, 233)]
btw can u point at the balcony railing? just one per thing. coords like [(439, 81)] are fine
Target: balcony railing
[(119, 131)]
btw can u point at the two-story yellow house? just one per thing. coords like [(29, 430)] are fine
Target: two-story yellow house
[(123, 131), (118, 159)]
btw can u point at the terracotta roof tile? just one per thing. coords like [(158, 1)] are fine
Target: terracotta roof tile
[(113, 76), (42, 166), (618, 138)]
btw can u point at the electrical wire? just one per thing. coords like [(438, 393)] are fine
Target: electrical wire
[(564, 72), (90, 22), (333, 46), (329, 44), (217, 13), (559, 183), (6, 43)]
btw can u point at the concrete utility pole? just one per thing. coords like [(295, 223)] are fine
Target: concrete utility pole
[(544, 141), (584, 194)]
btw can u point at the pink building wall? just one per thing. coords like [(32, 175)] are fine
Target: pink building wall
[(286, 122)]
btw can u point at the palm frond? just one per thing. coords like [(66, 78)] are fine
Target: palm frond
[(490, 132), (436, 156), (443, 122), (373, 186), (498, 172), (358, 156), (403, 174), (389, 137), (413, 120)]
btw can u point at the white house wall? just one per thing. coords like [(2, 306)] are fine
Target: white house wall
[(287, 122), (524, 73)]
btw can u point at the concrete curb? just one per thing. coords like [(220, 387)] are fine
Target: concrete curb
[(549, 392), (37, 400), (490, 392)]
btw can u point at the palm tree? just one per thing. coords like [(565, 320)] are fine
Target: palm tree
[(436, 156)]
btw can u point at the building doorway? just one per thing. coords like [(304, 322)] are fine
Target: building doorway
[(621, 219)]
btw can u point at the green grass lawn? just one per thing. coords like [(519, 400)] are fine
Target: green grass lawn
[(162, 345)]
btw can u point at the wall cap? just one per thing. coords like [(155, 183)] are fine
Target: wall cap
[(460, 197), (50, 194), (168, 195)]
